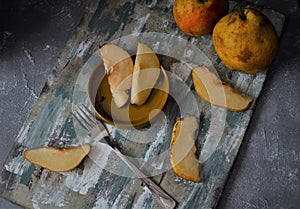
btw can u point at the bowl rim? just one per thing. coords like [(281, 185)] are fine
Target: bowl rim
[(124, 124)]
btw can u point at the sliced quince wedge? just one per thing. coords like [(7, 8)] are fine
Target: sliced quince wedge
[(214, 91), (57, 159), (145, 74), (183, 150), (118, 67)]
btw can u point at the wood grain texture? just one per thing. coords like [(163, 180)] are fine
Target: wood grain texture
[(92, 185)]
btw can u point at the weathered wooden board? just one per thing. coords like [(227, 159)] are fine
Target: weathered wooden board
[(102, 181)]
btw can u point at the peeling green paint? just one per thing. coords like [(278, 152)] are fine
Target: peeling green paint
[(58, 91), (103, 23), (26, 176), (67, 131)]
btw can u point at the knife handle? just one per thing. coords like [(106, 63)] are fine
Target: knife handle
[(163, 198)]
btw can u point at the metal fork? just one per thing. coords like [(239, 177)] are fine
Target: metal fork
[(93, 127)]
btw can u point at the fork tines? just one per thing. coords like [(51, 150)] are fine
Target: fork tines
[(85, 117)]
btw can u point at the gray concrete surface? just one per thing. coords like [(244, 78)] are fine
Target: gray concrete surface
[(266, 173), (32, 36)]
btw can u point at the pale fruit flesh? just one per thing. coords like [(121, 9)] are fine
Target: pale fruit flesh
[(214, 91), (145, 74), (57, 159), (245, 40), (183, 150), (119, 68)]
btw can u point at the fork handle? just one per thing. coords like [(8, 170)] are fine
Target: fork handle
[(163, 198)]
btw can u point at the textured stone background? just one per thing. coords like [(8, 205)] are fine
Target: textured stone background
[(266, 173)]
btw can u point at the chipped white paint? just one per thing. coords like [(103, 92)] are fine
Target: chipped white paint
[(140, 24), (142, 199), (101, 203), (181, 70), (214, 134), (17, 165), (48, 192), (35, 205), (118, 202), (243, 81), (193, 41), (188, 53), (232, 139), (123, 198), (250, 84), (56, 199), (256, 85), (170, 4), (165, 23), (30, 138), (196, 187), (84, 47), (155, 46), (22, 134), (160, 138), (112, 130), (153, 3), (158, 165), (50, 79), (82, 181)]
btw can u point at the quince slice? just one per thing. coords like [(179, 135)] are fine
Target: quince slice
[(145, 74), (57, 159), (214, 91), (119, 67), (183, 150)]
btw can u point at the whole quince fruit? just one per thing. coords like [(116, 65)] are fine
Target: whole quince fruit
[(245, 40), (197, 17)]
